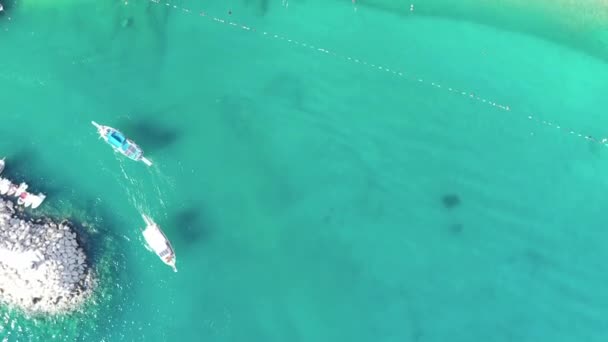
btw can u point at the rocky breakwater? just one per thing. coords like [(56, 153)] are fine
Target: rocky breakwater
[(42, 268)]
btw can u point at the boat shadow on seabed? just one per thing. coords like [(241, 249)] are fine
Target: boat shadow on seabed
[(193, 225), (152, 134)]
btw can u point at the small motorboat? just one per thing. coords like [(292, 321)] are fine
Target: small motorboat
[(12, 188), (5, 185), (24, 198), (30, 200), (17, 191), (158, 242), (121, 144)]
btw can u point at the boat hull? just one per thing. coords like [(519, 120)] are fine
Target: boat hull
[(157, 242), (120, 143), (24, 198)]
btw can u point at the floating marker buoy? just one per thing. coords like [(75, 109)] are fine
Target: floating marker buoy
[(399, 73)]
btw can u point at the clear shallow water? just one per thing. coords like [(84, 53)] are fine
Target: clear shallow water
[(302, 190)]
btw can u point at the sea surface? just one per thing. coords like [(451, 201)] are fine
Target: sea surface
[(325, 170)]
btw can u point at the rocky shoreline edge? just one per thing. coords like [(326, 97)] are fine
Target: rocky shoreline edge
[(43, 269)]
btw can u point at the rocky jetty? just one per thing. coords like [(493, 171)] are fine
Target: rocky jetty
[(42, 268)]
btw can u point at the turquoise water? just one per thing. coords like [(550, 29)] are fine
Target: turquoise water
[(301, 189)]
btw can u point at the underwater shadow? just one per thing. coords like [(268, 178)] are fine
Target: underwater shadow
[(247, 124), (450, 201), (146, 27), (239, 114), (19, 161), (19, 168), (192, 225), (151, 134), (288, 88), (262, 6)]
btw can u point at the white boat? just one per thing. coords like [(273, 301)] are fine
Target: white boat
[(24, 198), (5, 185), (158, 242), (30, 200), (19, 190), (12, 188)]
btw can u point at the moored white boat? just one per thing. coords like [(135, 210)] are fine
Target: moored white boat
[(30, 200), (158, 242), (5, 185), (24, 198), (12, 188), (17, 191)]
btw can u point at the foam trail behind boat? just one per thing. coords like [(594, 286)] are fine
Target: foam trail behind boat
[(146, 161)]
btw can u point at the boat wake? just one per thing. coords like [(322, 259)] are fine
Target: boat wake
[(124, 172), (160, 183)]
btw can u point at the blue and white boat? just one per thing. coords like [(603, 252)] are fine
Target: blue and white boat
[(120, 143)]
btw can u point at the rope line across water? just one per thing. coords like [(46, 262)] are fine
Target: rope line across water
[(380, 68)]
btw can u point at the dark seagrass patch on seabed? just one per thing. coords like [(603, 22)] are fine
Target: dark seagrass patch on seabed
[(450, 201), (153, 134), (193, 224), (456, 228)]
